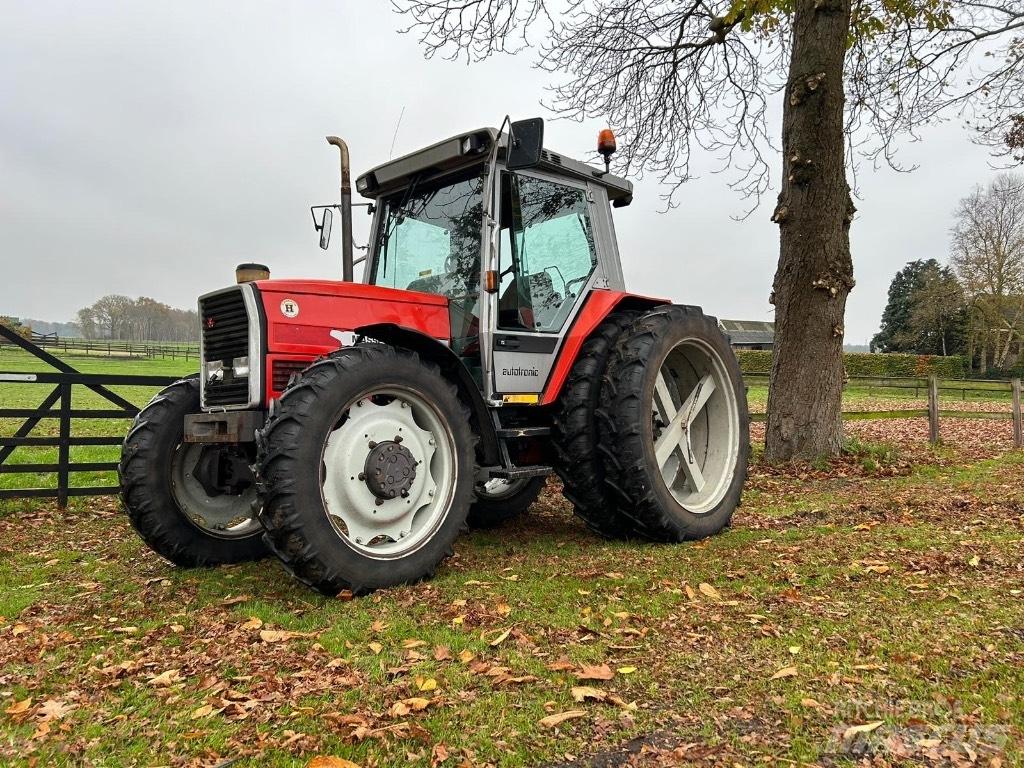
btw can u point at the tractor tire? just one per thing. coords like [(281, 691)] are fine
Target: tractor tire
[(366, 470), (674, 425), (576, 437), (168, 507), (498, 501)]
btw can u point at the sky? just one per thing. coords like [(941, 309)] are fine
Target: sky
[(146, 149)]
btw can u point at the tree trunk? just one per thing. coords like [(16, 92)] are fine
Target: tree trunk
[(815, 272)]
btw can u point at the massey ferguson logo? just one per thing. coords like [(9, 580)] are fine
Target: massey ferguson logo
[(520, 372), (210, 322)]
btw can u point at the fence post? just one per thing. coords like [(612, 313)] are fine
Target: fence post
[(933, 409), (1018, 432), (64, 447)]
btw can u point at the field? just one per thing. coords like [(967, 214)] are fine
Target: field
[(865, 610)]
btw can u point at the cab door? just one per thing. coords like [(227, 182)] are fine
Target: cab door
[(547, 257)]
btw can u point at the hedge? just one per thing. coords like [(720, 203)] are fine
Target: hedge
[(866, 364)]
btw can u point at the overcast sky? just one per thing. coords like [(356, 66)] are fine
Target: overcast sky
[(146, 148)]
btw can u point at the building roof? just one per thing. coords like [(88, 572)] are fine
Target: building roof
[(745, 332)]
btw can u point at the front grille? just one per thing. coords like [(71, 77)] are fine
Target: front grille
[(283, 371), (225, 327)]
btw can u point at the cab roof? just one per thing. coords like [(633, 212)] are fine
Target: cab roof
[(467, 149)]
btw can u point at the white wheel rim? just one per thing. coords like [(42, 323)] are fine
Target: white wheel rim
[(499, 488), (696, 426), (388, 528), (225, 516)]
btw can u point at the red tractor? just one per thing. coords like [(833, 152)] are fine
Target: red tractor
[(353, 429)]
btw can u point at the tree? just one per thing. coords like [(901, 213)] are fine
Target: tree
[(677, 75), (925, 314), (143, 319), (988, 253), (938, 313)]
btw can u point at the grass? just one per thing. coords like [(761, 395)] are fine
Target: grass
[(829, 604), (884, 587)]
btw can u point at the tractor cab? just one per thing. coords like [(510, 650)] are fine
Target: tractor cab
[(515, 243)]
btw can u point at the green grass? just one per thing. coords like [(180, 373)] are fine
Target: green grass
[(896, 599)]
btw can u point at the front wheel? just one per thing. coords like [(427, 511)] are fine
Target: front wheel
[(675, 425), (191, 503), (367, 470), (499, 500)]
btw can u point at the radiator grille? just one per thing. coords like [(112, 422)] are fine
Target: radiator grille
[(225, 327)]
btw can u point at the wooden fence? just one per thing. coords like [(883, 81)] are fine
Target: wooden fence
[(104, 348)]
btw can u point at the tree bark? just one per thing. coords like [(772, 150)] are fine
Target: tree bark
[(815, 271)]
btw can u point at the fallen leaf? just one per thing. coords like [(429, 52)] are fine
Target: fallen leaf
[(426, 683), (375, 647), (439, 754), (253, 623), (708, 591), (412, 643), (853, 730), (442, 653), (785, 672), (552, 720), (595, 672), (808, 702), (500, 638), (466, 656), (165, 679), (53, 709), (584, 692), (345, 595), (204, 711), (229, 601), (330, 762), (19, 706), (562, 665), (626, 670), (275, 635)]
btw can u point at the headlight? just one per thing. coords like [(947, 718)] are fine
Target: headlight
[(213, 370), (240, 366)]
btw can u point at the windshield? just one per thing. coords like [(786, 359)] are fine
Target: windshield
[(430, 240)]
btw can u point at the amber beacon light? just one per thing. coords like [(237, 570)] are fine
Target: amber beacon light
[(606, 146)]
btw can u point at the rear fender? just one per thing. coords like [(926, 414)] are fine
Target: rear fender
[(599, 305), (453, 369)]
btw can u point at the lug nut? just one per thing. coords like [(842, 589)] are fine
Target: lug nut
[(362, 475), (373, 444), (398, 438)]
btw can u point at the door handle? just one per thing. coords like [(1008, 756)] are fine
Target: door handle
[(508, 343)]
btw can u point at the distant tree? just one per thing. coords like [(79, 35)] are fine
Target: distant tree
[(938, 313), (988, 254), (673, 76), (16, 325), (143, 319), (895, 332)]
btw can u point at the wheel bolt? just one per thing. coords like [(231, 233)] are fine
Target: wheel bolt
[(380, 502), (373, 444), (398, 438), (362, 475)]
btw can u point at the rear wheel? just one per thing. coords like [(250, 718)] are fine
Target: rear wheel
[(192, 503), (367, 470), (674, 416), (499, 500), (577, 441)]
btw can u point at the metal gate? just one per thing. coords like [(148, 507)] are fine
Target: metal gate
[(58, 405)]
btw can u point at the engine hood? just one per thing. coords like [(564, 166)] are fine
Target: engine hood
[(314, 317)]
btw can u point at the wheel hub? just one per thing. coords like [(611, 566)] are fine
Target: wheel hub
[(390, 469)]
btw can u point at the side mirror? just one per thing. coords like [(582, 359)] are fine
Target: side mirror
[(325, 228), (526, 140)]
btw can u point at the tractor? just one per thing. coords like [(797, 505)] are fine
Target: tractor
[(354, 429)]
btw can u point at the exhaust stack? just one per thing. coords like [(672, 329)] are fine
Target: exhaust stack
[(346, 209)]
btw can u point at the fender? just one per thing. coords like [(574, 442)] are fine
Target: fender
[(599, 304), (453, 369)]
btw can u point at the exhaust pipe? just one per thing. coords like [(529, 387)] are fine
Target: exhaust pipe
[(346, 209)]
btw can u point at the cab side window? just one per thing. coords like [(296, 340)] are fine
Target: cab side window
[(547, 252)]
